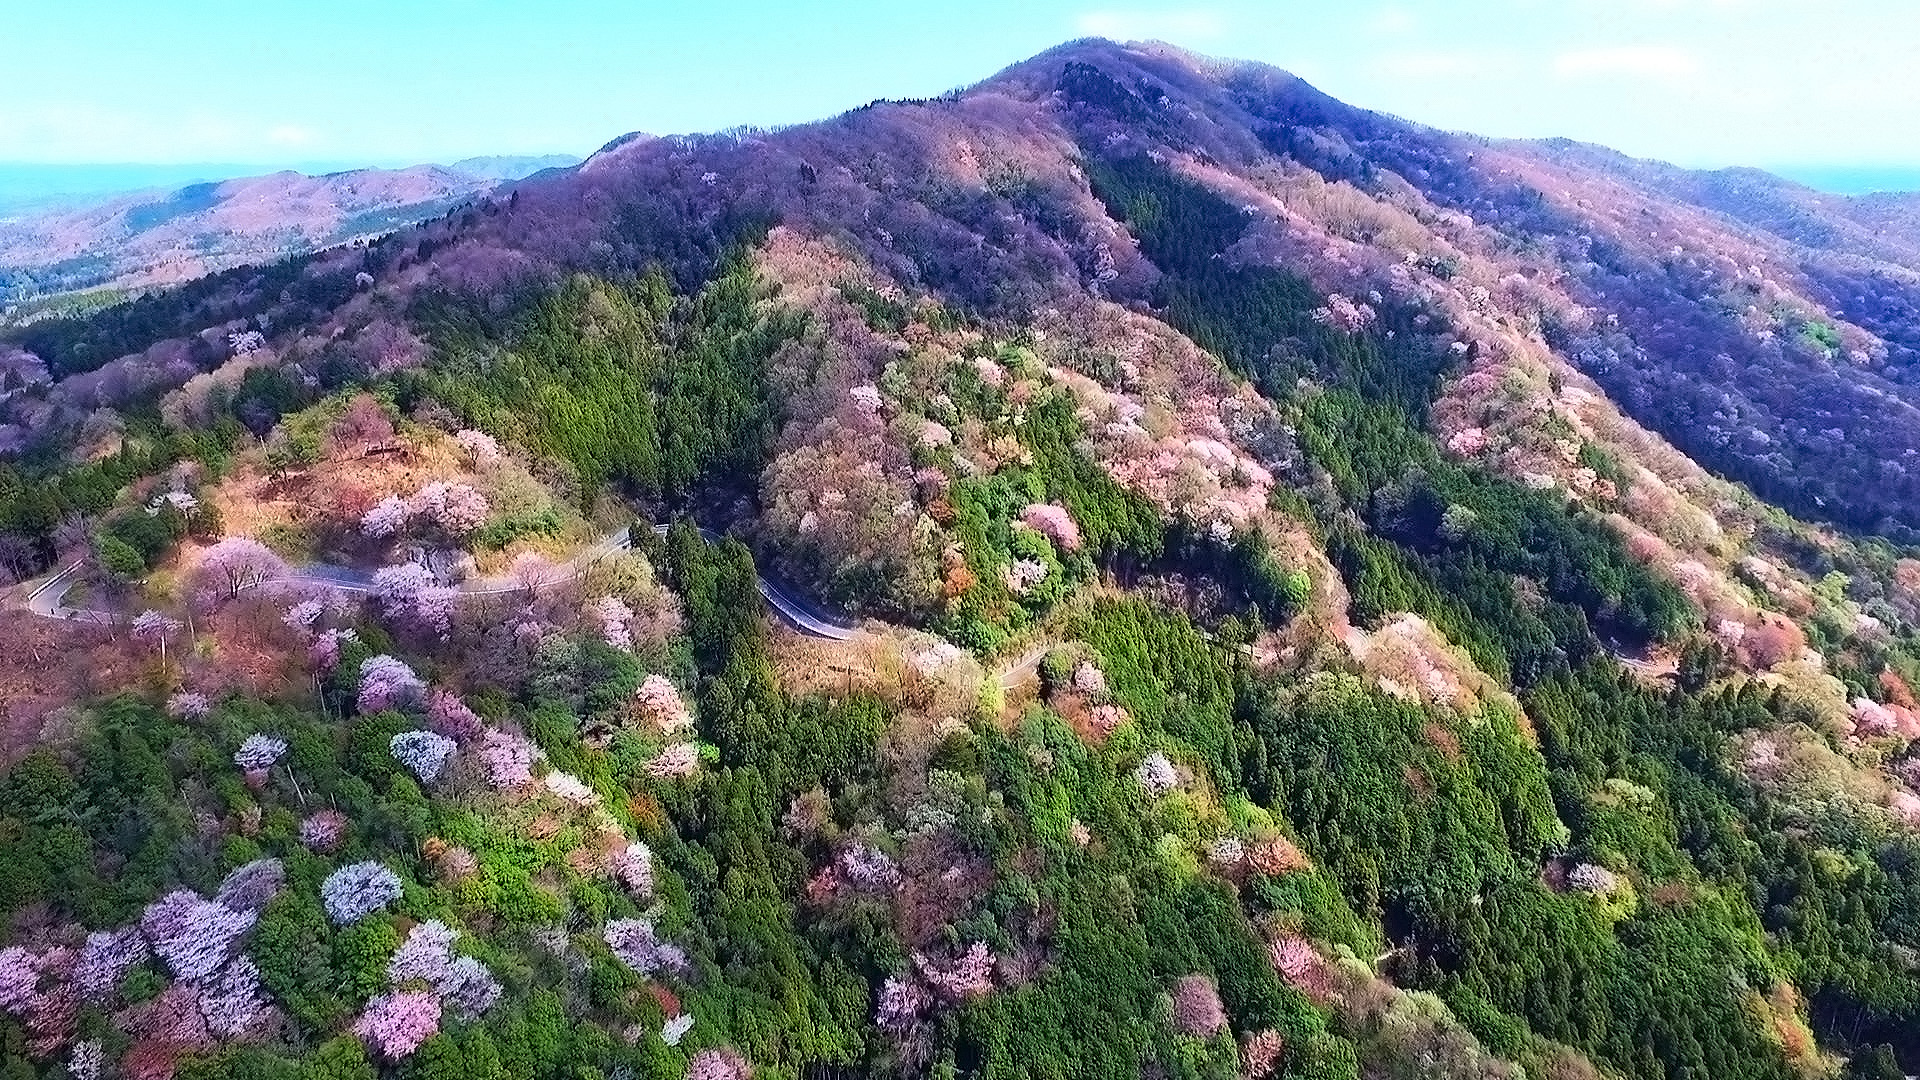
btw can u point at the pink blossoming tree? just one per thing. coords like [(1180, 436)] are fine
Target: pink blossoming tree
[(234, 565), (394, 1025), (386, 682)]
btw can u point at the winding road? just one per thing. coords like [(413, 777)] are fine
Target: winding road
[(47, 598)]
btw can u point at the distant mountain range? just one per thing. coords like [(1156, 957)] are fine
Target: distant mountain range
[(70, 227)]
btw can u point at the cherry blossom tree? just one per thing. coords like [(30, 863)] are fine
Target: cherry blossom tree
[(1588, 877), (87, 1060), (105, 960), (461, 982), (508, 758), (676, 1028), (356, 891), (424, 753), (615, 619), (968, 976), (903, 1001), (387, 518), (386, 682), (1301, 966), (676, 759), (457, 509), (233, 565), (450, 716), (1260, 1054), (532, 571), (1052, 521), (1156, 774), (304, 614), (153, 629), (39, 989), (394, 1025), (165, 1029), (193, 935), (867, 867), (323, 830), (633, 868), (324, 653), (251, 886), (364, 423), (409, 593), (187, 705), (233, 1002), (660, 702), (257, 754), (1196, 1007), (635, 944), (481, 448), (1089, 681), (570, 788), (719, 1063)]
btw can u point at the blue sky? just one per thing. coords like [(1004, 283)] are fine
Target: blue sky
[(273, 82)]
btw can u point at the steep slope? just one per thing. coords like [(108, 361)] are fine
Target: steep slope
[(1292, 648), (156, 238)]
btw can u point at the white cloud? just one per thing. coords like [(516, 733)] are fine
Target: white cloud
[(1174, 26), (1661, 62)]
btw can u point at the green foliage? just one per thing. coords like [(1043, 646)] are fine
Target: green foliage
[(622, 382), (502, 531)]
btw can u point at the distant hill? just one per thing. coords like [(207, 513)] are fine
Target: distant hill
[(512, 167), (80, 227)]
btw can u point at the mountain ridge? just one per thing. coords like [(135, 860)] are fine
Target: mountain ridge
[(156, 237)]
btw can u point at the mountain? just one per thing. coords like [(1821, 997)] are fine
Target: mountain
[(1131, 568), (149, 237), (512, 167)]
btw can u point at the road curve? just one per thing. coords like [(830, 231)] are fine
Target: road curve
[(793, 611), (45, 599), (1017, 672)]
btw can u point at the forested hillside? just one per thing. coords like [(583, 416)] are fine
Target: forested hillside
[(1228, 620)]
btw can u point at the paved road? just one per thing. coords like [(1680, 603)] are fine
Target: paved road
[(45, 599), (793, 610), (1026, 665)]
